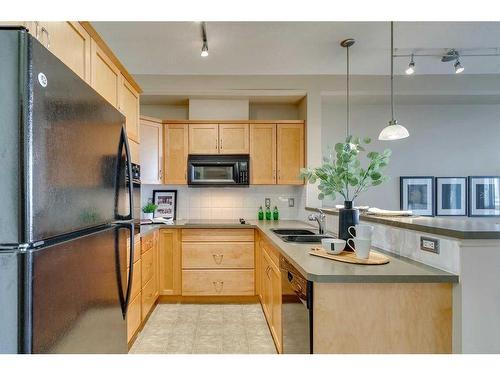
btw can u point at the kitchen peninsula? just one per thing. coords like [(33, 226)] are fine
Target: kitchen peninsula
[(401, 307)]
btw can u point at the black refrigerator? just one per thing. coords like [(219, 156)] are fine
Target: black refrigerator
[(66, 210)]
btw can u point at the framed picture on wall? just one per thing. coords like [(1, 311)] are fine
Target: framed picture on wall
[(451, 196), (416, 193), (166, 200), (484, 195)]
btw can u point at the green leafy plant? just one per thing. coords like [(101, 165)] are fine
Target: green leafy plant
[(149, 208), (343, 173)]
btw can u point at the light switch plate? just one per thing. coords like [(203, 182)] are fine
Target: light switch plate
[(291, 202), (267, 202), (429, 244)]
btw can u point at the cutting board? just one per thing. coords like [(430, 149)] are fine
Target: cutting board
[(350, 257)]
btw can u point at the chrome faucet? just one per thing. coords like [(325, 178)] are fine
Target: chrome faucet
[(320, 218)]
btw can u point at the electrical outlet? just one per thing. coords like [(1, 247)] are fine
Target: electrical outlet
[(429, 244), (267, 202), (291, 202)]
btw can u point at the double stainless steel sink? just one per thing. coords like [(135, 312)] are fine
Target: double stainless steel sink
[(299, 235)]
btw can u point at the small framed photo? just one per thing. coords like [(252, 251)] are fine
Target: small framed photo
[(166, 200), (484, 195), (451, 196), (416, 193)]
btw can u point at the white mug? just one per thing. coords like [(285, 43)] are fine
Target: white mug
[(363, 231), (333, 245), (361, 247)]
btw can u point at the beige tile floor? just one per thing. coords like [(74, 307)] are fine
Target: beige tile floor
[(205, 329)]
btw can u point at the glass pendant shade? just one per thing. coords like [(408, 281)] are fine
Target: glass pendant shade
[(393, 131)]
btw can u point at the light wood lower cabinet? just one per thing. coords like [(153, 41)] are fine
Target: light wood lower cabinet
[(270, 292), (136, 279), (147, 267), (239, 282), (217, 235), (169, 261), (218, 255), (148, 298), (134, 316)]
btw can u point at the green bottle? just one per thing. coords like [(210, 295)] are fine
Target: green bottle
[(268, 213), (260, 213), (276, 214)]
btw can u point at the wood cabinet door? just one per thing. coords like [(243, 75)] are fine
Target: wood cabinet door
[(234, 139), (290, 153), (176, 147), (203, 138), (134, 152), (129, 105), (275, 278), (104, 75), (70, 42), (265, 286), (169, 262), (151, 151), (263, 154), (156, 262)]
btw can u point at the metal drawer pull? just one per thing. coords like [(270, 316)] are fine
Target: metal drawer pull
[(218, 258), (218, 286)]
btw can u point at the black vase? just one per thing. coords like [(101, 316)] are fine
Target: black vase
[(348, 216)]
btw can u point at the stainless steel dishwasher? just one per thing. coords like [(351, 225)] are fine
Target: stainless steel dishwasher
[(297, 313)]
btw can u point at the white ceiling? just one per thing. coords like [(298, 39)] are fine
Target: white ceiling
[(296, 47)]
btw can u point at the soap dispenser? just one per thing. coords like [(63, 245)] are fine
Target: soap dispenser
[(276, 214), (260, 213)]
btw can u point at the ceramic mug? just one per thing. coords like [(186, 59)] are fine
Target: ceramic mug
[(333, 245), (363, 231), (360, 246)]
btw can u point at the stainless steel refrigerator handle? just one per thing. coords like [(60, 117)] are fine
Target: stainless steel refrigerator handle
[(125, 300), (130, 183), (124, 142)]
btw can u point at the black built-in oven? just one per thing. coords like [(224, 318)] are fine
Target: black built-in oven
[(218, 170)]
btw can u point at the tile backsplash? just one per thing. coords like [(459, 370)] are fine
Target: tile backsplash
[(229, 203)]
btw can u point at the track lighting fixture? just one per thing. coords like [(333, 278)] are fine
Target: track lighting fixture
[(411, 66), (458, 67), (204, 48)]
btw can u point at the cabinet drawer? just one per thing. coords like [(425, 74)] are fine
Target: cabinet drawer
[(136, 279), (218, 255), (147, 266), (133, 316), (147, 242), (137, 251), (148, 297), (217, 235), (218, 282)]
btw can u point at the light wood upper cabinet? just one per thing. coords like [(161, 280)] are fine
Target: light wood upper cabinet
[(151, 147), (203, 138), (263, 154), (70, 42), (290, 153), (105, 75), (169, 257), (176, 153), (129, 105), (134, 152), (234, 139)]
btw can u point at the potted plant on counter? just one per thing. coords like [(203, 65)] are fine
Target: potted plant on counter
[(342, 173), (148, 211)]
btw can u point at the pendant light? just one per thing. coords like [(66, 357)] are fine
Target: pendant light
[(394, 130), (346, 44)]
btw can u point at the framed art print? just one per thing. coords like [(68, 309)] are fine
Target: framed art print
[(484, 195), (417, 194), (166, 200), (451, 196)]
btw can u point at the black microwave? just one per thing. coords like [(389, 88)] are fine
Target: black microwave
[(218, 170)]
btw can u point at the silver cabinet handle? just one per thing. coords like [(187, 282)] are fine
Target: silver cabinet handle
[(44, 30), (218, 258), (219, 285), (37, 29)]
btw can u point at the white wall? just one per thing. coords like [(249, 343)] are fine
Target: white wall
[(165, 111), (217, 109), (274, 111), (445, 140), (228, 203)]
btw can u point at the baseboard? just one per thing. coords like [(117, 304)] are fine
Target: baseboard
[(208, 299)]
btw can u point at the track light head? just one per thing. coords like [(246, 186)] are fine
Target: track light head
[(204, 50), (458, 67), (411, 67)]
